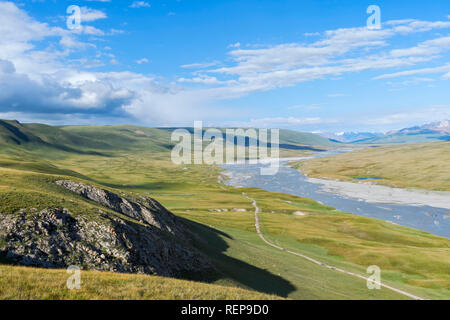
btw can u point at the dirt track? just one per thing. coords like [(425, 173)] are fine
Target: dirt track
[(258, 230)]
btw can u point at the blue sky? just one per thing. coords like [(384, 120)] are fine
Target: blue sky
[(303, 65)]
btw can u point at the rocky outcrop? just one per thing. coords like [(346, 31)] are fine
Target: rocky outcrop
[(145, 209), (57, 238)]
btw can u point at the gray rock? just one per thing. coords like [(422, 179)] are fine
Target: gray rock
[(56, 238), (147, 210)]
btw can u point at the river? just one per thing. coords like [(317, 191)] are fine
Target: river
[(433, 219)]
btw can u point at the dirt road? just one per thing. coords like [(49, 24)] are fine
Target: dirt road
[(258, 230)]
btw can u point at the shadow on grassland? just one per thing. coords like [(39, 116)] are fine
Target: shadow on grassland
[(210, 241)]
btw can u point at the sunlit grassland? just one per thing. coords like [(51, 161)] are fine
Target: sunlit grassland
[(410, 259), (26, 283), (423, 166), (250, 262)]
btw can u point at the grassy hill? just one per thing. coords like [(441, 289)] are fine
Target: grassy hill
[(24, 283), (228, 238), (55, 140), (423, 166), (222, 218), (299, 138)]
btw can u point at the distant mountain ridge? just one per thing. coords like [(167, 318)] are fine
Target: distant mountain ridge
[(440, 127), (349, 137), (434, 131), (97, 139)]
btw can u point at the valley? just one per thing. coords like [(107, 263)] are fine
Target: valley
[(220, 217)]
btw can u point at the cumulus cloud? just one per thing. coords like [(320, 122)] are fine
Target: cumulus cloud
[(41, 81), (70, 93)]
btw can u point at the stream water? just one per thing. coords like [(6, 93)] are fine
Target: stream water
[(288, 180)]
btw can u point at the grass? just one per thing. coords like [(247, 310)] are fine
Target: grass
[(423, 166), (344, 240), (415, 261), (410, 259), (24, 283)]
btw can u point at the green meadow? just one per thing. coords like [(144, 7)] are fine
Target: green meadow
[(422, 166), (136, 161)]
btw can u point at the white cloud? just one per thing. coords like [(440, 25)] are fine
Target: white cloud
[(143, 60), (92, 31), (199, 65), (283, 122), (51, 82), (413, 81), (440, 69), (429, 114), (205, 79), (411, 25), (284, 65), (116, 31), (140, 4), (311, 34), (71, 92), (426, 48), (88, 14), (234, 45)]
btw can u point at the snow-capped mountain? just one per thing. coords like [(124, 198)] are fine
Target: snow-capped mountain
[(435, 131), (440, 127)]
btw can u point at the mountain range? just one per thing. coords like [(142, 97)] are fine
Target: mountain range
[(440, 127), (435, 131)]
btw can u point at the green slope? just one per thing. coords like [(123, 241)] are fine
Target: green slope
[(305, 138), (45, 139), (14, 133), (420, 166), (411, 260), (240, 257)]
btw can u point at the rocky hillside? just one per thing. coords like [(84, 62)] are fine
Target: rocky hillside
[(140, 237)]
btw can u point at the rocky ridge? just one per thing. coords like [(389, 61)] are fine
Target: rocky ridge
[(153, 241)]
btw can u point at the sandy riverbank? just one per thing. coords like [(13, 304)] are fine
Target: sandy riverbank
[(382, 194)]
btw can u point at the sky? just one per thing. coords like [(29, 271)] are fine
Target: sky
[(307, 65)]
